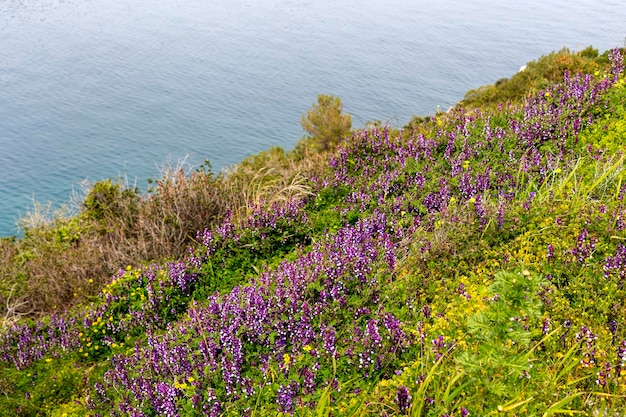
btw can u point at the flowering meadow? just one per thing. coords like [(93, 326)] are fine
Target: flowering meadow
[(471, 265)]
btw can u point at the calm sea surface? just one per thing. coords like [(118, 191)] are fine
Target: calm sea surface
[(93, 89)]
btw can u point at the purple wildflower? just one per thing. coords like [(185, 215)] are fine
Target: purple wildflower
[(403, 399), (616, 264), (585, 247), (603, 374), (462, 292), (286, 396), (621, 357)]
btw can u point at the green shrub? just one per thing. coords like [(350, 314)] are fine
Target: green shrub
[(108, 200), (536, 75), (325, 123)]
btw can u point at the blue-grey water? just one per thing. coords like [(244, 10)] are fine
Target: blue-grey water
[(93, 89)]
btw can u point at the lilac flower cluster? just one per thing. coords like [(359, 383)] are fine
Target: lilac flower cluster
[(616, 264), (147, 301), (133, 302), (440, 347), (585, 247), (403, 399), (587, 340), (236, 338), (400, 171), (286, 396), (463, 292), (567, 326), (561, 110), (621, 357), (604, 374), (24, 344), (287, 220), (181, 277)]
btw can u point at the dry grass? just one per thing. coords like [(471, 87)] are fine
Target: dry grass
[(181, 205), (265, 187), (67, 255)]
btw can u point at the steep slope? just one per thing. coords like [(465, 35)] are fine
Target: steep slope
[(472, 265)]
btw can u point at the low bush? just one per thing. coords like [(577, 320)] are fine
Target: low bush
[(537, 75)]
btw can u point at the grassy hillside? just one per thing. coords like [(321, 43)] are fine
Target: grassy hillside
[(472, 264), (537, 75)]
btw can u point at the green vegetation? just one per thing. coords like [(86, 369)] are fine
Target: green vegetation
[(325, 123), (471, 264), (537, 75)]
